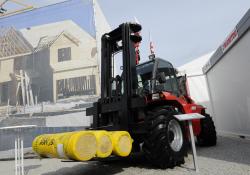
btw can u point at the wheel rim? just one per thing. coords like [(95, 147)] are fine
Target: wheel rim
[(175, 137)]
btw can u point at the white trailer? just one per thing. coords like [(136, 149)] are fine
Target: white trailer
[(228, 79)]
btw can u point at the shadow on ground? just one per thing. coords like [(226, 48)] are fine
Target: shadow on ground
[(105, 167), (228, 149)]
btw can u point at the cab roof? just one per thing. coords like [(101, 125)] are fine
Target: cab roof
[(147, 66)]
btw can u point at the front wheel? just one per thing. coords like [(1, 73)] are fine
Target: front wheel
[(165, 145)]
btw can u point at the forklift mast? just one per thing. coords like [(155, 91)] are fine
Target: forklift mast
[(113, 111), (124, 35)]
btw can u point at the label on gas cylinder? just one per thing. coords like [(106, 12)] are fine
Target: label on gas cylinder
[(60, 151)]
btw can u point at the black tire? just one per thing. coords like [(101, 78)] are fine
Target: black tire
[(207, 137), (157, 147)]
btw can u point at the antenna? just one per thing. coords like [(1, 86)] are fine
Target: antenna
[(151, 48)]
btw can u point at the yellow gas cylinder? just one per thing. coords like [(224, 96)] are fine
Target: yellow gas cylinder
[(81, 145), (122, 143), (104, 143), (44, 145)]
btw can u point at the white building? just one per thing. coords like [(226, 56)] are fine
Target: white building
[(228, 77), (64, 52)]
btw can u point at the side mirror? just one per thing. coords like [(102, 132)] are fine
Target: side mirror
[(161, 77)]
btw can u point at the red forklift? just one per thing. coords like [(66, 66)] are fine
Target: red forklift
[(143, 100)]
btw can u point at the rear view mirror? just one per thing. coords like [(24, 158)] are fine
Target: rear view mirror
[(161, 77)]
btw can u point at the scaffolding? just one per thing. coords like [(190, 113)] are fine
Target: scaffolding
[(14, 45), (24, 84)]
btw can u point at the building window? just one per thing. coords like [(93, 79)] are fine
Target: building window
[(64, 54), (84, 85)]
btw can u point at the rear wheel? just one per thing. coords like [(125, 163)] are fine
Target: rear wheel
[(207, 137), (165, 145)]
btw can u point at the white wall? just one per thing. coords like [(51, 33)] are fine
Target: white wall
[(199, 91), (102, 26), (72, 119), (229, 82), (196, 80)]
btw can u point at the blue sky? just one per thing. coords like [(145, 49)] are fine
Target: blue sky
[(81, 12), (181, 30)]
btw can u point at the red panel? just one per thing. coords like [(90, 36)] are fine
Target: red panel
[(188, 108)]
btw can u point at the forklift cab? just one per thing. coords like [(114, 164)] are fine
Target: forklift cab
[(156, 75)]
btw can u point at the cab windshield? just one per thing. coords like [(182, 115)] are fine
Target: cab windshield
[(156, 76)]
